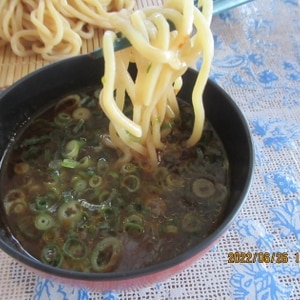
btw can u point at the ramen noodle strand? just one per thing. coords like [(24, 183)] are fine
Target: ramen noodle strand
[(48, 24), (161, 54), (106, 96), (123, 76), (141, 44), (206, 43), (207, 9), (7, 20), (44, 27), (163, 83)]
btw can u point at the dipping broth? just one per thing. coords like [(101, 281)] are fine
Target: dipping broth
[(70, 203)]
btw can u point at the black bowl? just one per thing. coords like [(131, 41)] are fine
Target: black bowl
[(30, 94)]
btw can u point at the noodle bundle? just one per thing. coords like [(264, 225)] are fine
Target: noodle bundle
[(162, 54), (54, 28)]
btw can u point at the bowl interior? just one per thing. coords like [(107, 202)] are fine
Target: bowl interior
[(40, 88)]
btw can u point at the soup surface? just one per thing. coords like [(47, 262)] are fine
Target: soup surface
[(71, 203)]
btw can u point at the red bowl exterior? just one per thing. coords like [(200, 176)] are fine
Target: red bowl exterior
[(141, 281)]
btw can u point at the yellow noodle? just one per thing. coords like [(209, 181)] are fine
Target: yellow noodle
[(141, 44), (54, 29), (138, 21), (106, 96), (206, 43), (161, 56)]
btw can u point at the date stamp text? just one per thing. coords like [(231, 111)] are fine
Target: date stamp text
[(262, 257)]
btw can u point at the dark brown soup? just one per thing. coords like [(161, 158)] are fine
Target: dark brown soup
[(70, 205)]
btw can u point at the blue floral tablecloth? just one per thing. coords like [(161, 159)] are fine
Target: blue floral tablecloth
[(257, 61)]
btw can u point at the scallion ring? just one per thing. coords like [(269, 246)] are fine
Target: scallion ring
[(72, 149), (69, 163), (95, 181), (106, 255), (15, 207), (79, 184), (133, 225), (63, 120), (85, 162), (81, 113), (131, 183), (69, 213), (15, 195), (75, 249), (192, 223), (128, 168), (203, 188), (51, 255), (43, 222)]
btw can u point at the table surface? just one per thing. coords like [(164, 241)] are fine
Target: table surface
[(257, 62)]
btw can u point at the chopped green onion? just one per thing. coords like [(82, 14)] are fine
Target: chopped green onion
[(41, 203), (81, 113), (78, 127), (46, 202), (36, 140), (192, 222), (203, 188), (106, 209), (75, 249), (167, 125), (67, 196), (43, 222), (88, 101), (72, 149), (133, 138), (69, 213), (32, 153), (63, 119), (148, 68), (133, 225), (106, 255), (95, 181), (104, 196), (15, 195), (51, 255), (85, 162), (69, 163), (131, 183), (128, 168), (79, 184), (133, 229), (174, 181), (15, 207), (171, 229)]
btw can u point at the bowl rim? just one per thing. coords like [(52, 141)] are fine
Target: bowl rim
[(205, 244)]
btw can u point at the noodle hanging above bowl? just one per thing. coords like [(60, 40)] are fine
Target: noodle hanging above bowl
[(161, 56)]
